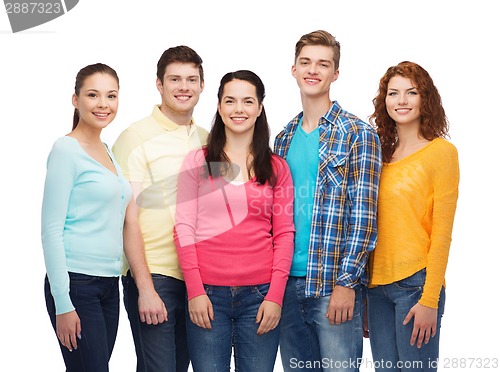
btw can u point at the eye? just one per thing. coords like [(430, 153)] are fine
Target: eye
[(391, 93), (193, 80), (249, 102), (112, 96), (92, 95), (413, 92)]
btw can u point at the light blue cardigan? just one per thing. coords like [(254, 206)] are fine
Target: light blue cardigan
[(83, 212)]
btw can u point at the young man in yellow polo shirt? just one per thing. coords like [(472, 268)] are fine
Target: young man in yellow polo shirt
[(150, 153)]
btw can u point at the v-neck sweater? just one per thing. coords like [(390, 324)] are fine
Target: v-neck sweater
[(83, 212)]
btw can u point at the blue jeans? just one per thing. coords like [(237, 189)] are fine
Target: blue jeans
[(161, 347), (234, 326), (388, 305), (97, 303), (308, 342)]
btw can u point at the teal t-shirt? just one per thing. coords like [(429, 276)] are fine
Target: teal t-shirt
[(303, 160)]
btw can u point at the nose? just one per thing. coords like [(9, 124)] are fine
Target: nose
[(239, 107), (313, 68), (102, 102), (183, 84), (402, 99)]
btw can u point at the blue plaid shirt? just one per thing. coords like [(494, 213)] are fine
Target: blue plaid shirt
[(344, 223)]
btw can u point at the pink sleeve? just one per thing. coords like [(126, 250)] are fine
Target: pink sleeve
[(186, 220), (283, 230)]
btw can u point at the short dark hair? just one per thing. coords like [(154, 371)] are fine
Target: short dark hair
[(182, 54)]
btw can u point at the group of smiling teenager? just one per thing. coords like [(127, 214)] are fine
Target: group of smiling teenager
[(230, 247)]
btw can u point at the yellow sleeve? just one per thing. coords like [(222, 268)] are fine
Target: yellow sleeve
[(445, 177)]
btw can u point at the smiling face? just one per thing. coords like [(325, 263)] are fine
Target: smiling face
[(180, 89), (403, 101), (97, 102), (239, 107), (315, 70)]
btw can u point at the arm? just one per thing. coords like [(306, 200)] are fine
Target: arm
[(445, 186), (365, 164), (269, 312), (129, 152), (186, 216), (60, 179), (152, 310)]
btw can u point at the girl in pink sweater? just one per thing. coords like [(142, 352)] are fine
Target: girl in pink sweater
[(234, 234)]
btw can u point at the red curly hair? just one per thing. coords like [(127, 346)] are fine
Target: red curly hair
[(433, 121)]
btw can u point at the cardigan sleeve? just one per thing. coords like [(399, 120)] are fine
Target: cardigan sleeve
[(59, 181), (282, 230)]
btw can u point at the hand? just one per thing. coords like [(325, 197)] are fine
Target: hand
[(201, 311), (268, 316), (424, 324), (341, 306), (152, 309), (68, 329)]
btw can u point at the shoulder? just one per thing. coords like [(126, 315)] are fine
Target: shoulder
[(134, 135), (349, 122), (201, 130), (442, 144), (442, 151), (196, 156), (65, 155), (279, 164), (291, 125), (64, 146)]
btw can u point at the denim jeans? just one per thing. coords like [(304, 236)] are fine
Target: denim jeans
[(308, 342), (388, 305), (161, 347), (234, 326), (97, 303)]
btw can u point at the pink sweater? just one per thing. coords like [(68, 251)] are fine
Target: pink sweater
[(234, 235)]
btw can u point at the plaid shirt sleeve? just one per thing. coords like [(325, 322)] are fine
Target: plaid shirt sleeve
[(363, 180)]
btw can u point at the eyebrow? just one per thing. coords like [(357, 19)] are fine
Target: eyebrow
[(179, 76), (249, 97), (397, 90), (95, 90), (309, 59)]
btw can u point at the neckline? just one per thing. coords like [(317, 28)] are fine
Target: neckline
[(414, 153), (94, 160)]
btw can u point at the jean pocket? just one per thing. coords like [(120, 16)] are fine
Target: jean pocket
[(209, 290), (78, 278), (261, 290), (413, 282)]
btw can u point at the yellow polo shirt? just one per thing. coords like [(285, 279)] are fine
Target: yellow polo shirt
[(150, 152)]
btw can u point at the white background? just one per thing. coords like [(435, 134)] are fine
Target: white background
[(456, 41)]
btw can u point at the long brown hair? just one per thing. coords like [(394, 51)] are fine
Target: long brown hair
[(433, 121), (260, 150)]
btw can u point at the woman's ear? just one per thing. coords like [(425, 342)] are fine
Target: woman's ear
[(74, 100)]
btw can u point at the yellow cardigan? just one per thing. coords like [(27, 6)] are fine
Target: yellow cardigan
[(416, 208)]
